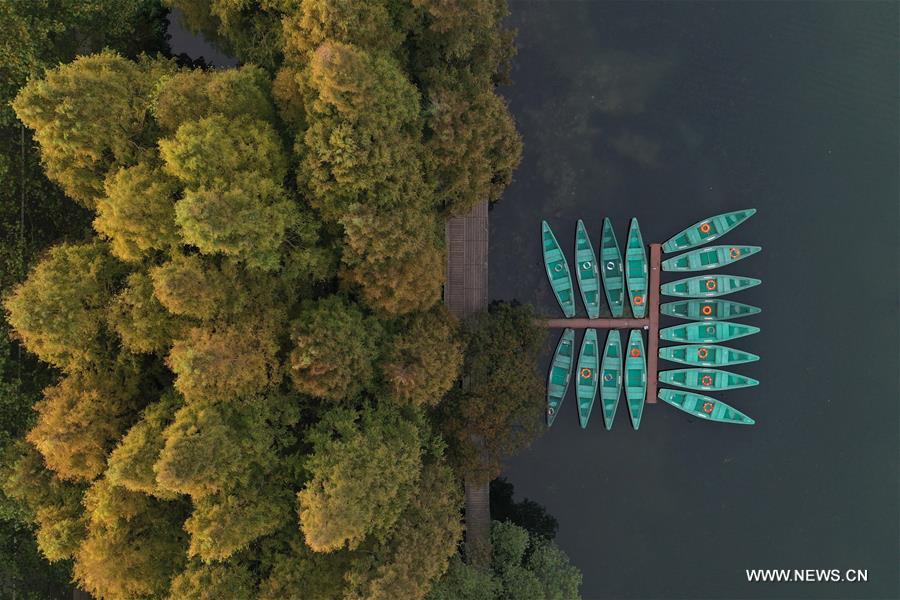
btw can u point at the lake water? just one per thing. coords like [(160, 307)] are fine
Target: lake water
[(672, 112)]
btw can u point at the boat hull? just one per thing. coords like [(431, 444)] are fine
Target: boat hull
[(704, 407), (636, 274), (611, 377), (708, 286), (560, 374), (707, 230), (706, 355), (586, 376), (635, 377), (587, 273), (712, 309), (557, 269), (704, 259), (611, 270), (707, 332), (706, 379)]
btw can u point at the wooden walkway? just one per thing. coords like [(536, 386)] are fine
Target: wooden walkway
[(466, 292)]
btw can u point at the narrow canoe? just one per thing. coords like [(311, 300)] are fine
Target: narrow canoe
[(586, 389), (713, 257), (611, 369), (707, 230), (588, 275), (611, 270), (557, 271), (706, 355), (707, 332), (636, 270), (635, 377), (711, 380), (708, 310), (704, 407), (708, 286), (560, 374)]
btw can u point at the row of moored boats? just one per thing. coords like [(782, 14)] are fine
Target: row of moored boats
[(619, 366)]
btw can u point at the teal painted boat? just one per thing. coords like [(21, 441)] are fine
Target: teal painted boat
[(706, 355), (557, 271), (707, 332), (710, 380), (586, 388), (635, 377), (611, 270), (560, 374), (588, 275), (636, 270), (708, 286), (713, 257), (704, 407), (611, 377), (707, 230), (708, 310)]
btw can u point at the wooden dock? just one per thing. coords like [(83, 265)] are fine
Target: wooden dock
[(650, 324), (466, 292)]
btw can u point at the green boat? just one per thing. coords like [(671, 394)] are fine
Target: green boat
[(586, 389), (713, 257), (704, 407), (611, 374), (708, 310), (560, 374), (588, 276), (713, 380), (707, 332), (635, 377), (708, 286), (706, 355), (636, 270), (611, 270), (557, 271), (707, 230)]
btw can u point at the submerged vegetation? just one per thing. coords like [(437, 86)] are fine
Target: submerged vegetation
[(244, 384)]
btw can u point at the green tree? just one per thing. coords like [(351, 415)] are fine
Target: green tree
[(335, 347), (89, 116), (364, 466), (497, 413), (58, 311), (233, 580), (368, 25), (523, 567), (424, 358), (143, 324), (193, 286)]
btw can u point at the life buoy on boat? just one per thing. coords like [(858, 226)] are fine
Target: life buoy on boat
[(586, 265), (711, 284), (702, 353), (704, 227), (610, 266), (706, 310), (558, 267), (607, 377), (638, 300), (734, 252), (585, 373), (550, 410), (635, 352), (706, 380), (708, 407)]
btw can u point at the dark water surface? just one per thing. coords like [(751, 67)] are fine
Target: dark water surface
[(676, 111)]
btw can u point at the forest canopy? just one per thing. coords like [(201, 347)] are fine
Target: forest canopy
[(249, 385)]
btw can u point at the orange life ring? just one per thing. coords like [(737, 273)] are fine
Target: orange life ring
[(638, 300), (708, 407), (702, 353), (734, 252), (585, 373), (704, 227), (706, 310), (635, 352), (706, 380), (711, 284)]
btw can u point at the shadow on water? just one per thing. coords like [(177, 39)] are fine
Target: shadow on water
[(671, 112)]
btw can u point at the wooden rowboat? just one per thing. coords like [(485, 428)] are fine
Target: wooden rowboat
[(586, 270), (708, 286), (611, 377), (704, 407), (611, 270), (708, 309), (557, 271), (635, 377), (705, 379), (636, 270), (713, 257), (706, 332), (586, 387), (706, 355), (560, 374), (707, 230)]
